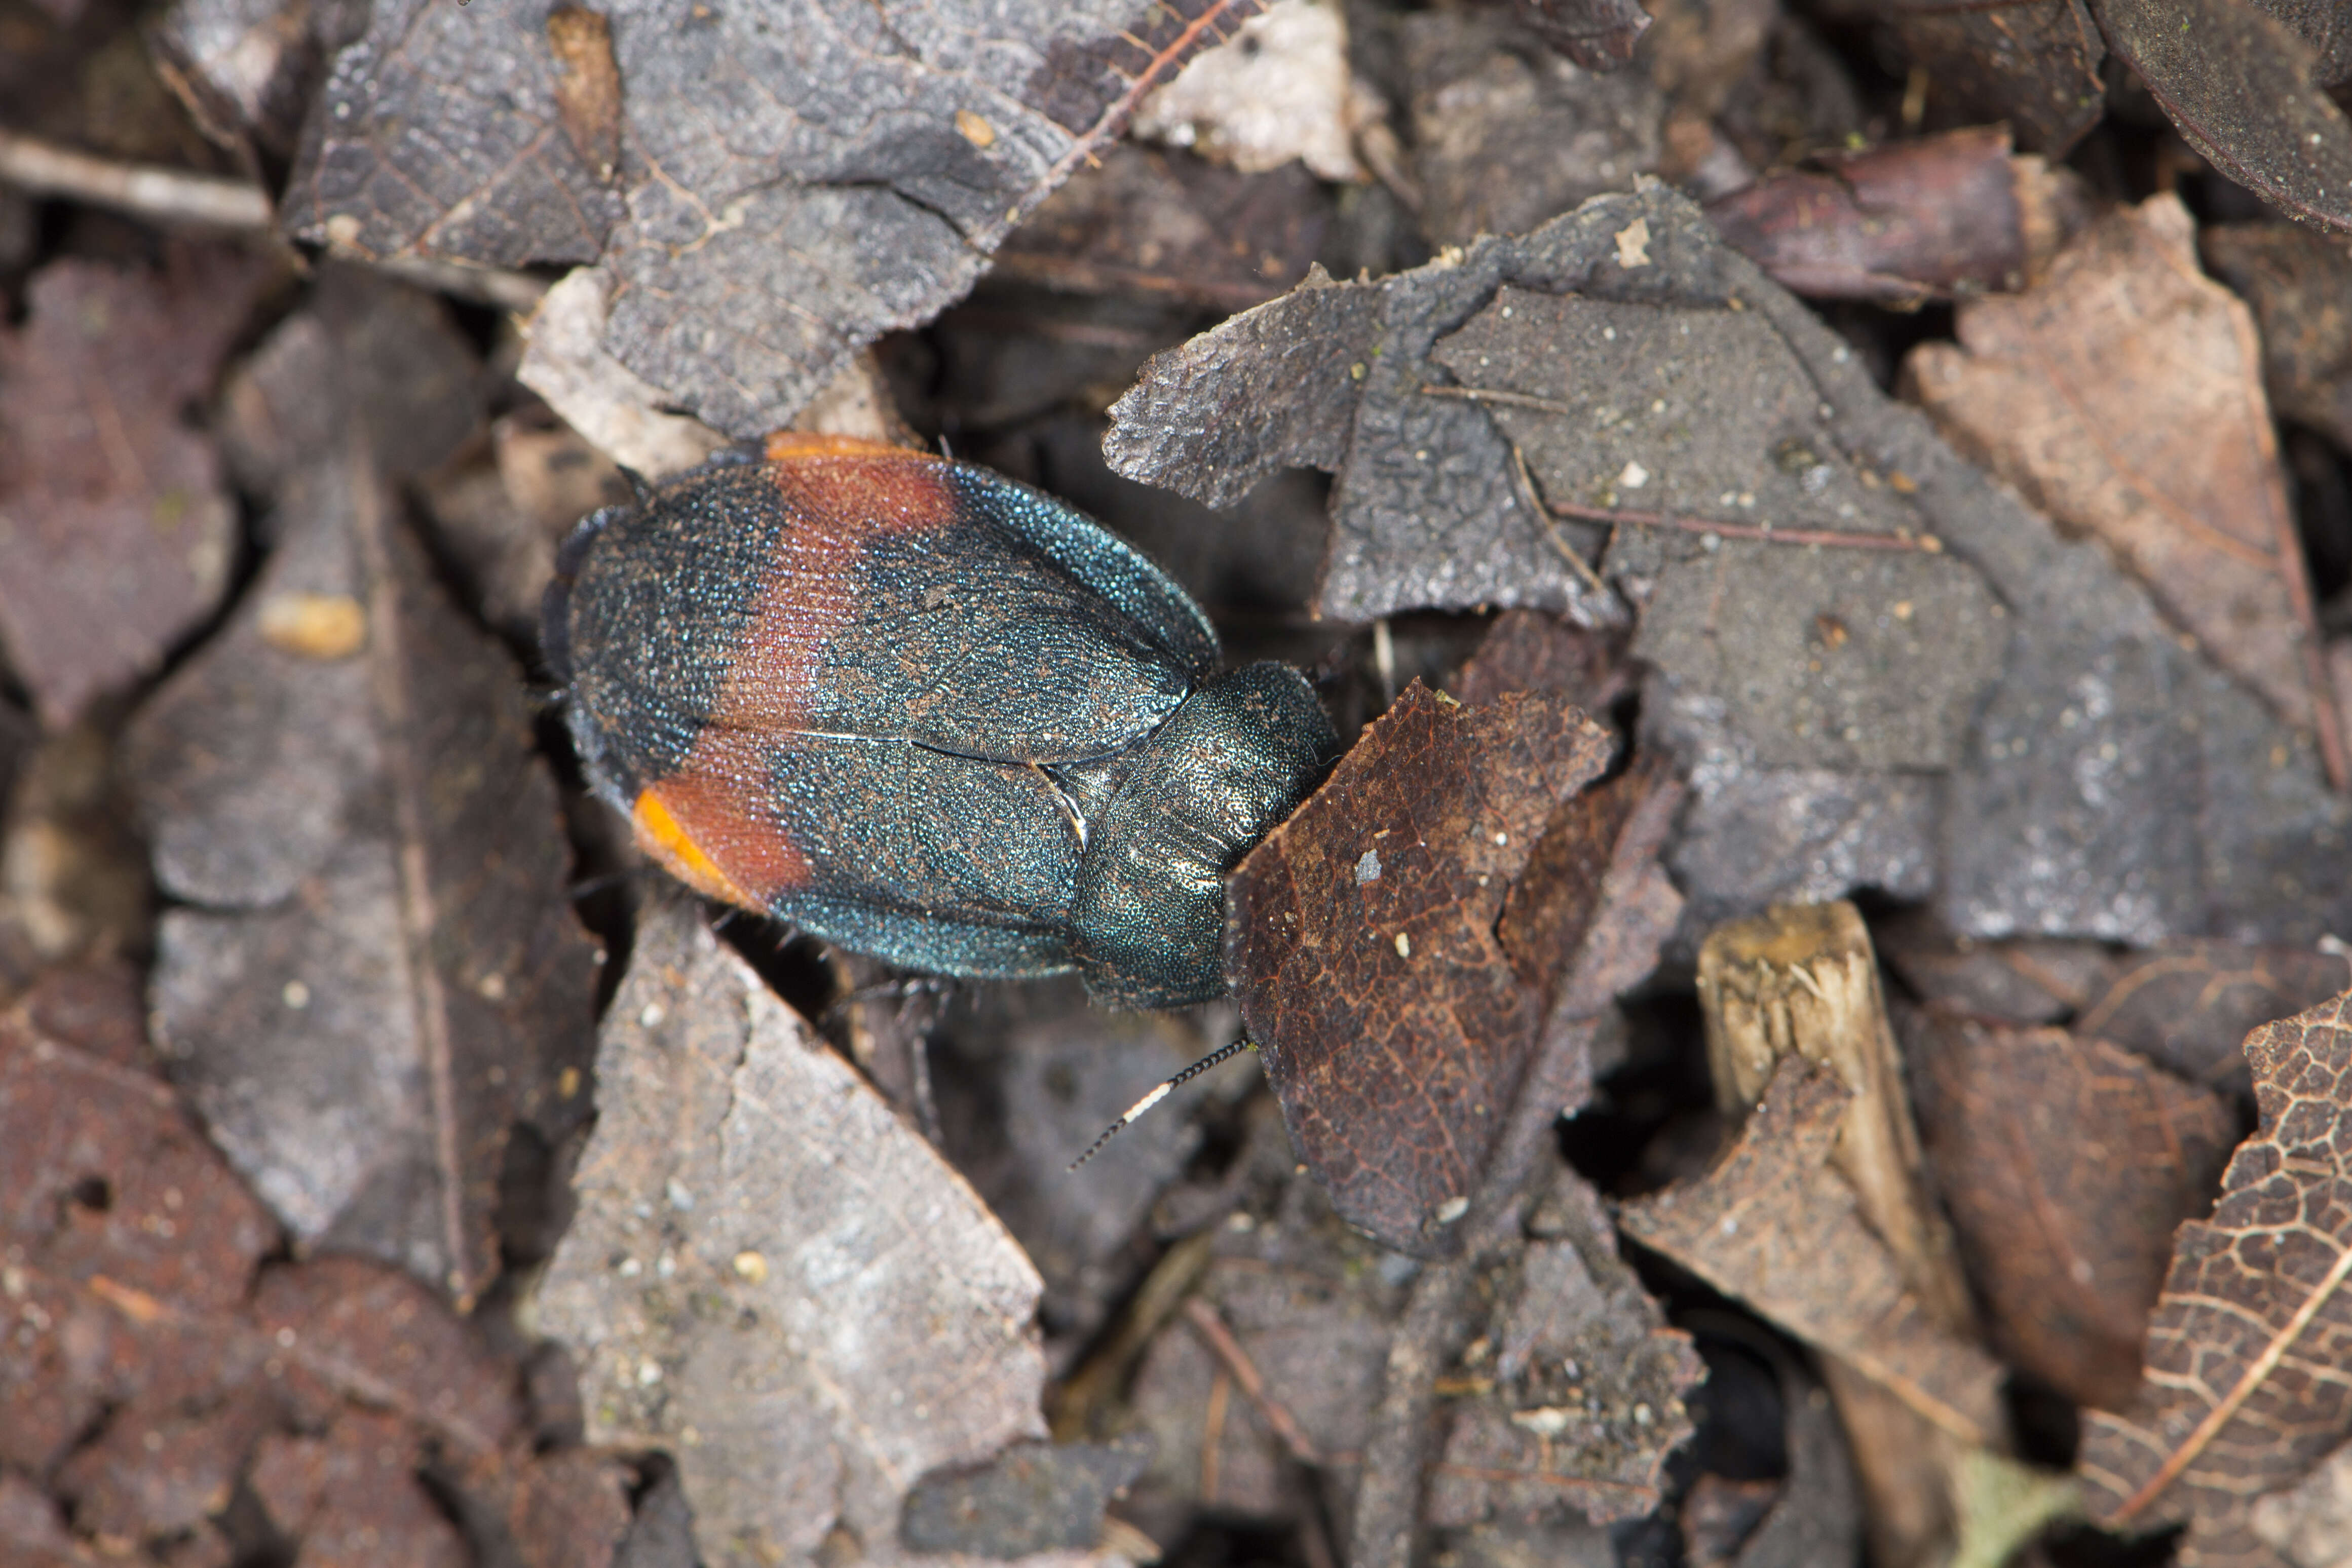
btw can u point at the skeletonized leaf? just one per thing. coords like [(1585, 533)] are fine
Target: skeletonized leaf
[(2244, 1392)]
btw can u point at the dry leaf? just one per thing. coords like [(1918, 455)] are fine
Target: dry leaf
[(2244, 88), (1597, 35), (116, 533), (373, 972), (1362, 944), (773, 1278), (2187, 1005), (2300, 286), (2032, 64), (1169, 226), (1765, 1225), (1908, 222), (866, 173), (2123, 395), (155, 1365), (1506, 133), (2243, 1393), (2066, 1163)]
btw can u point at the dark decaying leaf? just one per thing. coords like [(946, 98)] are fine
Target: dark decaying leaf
[(2187, 1005), (1774, 1225), (1582, 1382), (116, 535), (2243, 1393), (1507, 134), (2300, 286), (1528, 651), (1034, 1497), (869, 165), (2032, 64), (1907, 223), (445, 136), (365, 351), (1361, 940), (2022, 982), (1174, 227), (2245, 91), (373, 972), (2123, 395), (772, 1276), (2066, 1162), (154, 1367), (1597, 35)]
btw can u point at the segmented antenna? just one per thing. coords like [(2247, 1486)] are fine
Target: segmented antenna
[(1224, 1054)]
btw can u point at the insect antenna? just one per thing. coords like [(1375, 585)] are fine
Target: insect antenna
[(1223, 1053)]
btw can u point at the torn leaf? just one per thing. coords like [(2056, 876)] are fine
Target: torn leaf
[(2124, 396), (772, 1276), (871, 162), (373, 971), (1360, 939)]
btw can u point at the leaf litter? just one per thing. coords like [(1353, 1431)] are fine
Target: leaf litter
[(1821, 652)]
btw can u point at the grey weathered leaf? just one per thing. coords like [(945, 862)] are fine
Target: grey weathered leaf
[(772, 1276), (795, 177)]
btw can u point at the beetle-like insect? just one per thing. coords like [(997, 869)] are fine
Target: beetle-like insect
[(927, 714)]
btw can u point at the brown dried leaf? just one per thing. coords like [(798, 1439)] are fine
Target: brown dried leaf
[(871, 165), (2032, 64), (1529, 650), (1774, 1226), (1597, 35), (116, 533), (351, 1495), (2123, 395), (103, 1176), (2187, 1005), (152, 1374), (2243, 1393), (774, 1278), (2244, 88), (1908, 222), (1173, 226), (2300, 286), (375, 972), (2066, 1163), (2020, 982), (1360, 938)]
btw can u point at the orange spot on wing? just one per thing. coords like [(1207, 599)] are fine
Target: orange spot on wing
[(660, 836)]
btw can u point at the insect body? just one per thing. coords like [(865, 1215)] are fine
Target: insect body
[(925, 713)]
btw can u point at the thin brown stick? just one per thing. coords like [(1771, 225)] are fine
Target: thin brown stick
[(1763, 533), (143, 190), (1228, 1350), (1534, 497), (1212, 1435)]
